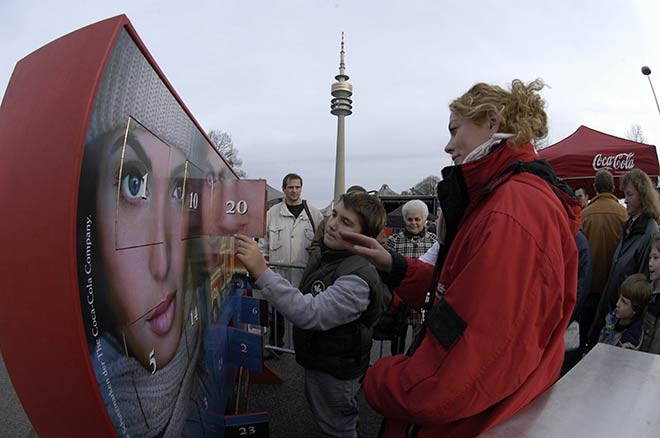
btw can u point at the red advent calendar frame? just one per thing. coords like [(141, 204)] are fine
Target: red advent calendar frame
[(44, 121)]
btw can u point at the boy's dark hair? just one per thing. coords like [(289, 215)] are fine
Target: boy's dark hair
[(369, 210), (637, 289), (356, 188), (655, 241), (289, 176)]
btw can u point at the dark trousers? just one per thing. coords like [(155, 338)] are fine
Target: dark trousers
[(398, 344), (276, 337), (571, 358), (589, 309)]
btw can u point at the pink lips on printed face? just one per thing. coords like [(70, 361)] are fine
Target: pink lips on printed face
[(163, 317)]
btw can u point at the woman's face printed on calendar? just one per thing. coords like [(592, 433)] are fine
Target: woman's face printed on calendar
[(139, 197)]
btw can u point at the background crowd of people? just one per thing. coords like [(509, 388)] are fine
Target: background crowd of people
[(512, 243), (621, 242)]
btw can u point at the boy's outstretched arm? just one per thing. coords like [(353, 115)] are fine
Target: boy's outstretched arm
[(248, 252), (368, 247)]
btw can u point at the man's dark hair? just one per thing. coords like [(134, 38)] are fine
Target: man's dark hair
[(604, 181), (289, 176)]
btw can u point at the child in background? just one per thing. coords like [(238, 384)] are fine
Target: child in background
[(624, 325), (341, 297), (651, 342)]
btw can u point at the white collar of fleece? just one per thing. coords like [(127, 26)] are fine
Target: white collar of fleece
[(484, 148)]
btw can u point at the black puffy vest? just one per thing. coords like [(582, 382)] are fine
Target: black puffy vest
[(343, 351)]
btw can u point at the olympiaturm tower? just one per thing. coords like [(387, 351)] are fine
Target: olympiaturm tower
[(341, 106)]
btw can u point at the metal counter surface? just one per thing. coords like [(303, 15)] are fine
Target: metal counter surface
[(610, 392)]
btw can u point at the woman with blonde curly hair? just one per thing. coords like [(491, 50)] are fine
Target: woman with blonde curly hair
[(496, 293), (632, 254)]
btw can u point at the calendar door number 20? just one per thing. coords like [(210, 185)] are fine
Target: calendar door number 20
[(240, 207)]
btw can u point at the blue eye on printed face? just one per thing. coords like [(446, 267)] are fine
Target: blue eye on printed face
[(134, 186), (177, 193)]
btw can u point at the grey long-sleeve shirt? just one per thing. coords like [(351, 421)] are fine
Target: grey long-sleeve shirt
[(342, 302)]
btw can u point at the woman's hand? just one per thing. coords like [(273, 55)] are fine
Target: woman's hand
[(247, 251), (368, 247)]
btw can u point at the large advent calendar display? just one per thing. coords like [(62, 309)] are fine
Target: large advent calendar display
[(124, 311)]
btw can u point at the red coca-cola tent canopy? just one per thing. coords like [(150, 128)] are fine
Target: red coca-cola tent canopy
[(577, 157)]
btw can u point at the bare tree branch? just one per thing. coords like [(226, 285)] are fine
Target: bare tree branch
[(635, 133), (427, 186), (224, 144)]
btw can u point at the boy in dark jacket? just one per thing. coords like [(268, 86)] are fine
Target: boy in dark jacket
[(340, 299), (623, 326)]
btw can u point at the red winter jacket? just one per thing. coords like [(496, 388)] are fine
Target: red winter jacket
[(511, 275)]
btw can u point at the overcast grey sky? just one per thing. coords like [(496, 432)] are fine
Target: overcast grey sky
[(262, 70)]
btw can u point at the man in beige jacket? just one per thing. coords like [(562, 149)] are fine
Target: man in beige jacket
[(290, 227)]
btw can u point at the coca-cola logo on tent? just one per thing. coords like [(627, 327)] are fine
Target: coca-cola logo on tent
[(622, 161)]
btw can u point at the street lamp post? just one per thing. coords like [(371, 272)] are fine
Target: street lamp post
[(646, 71)]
